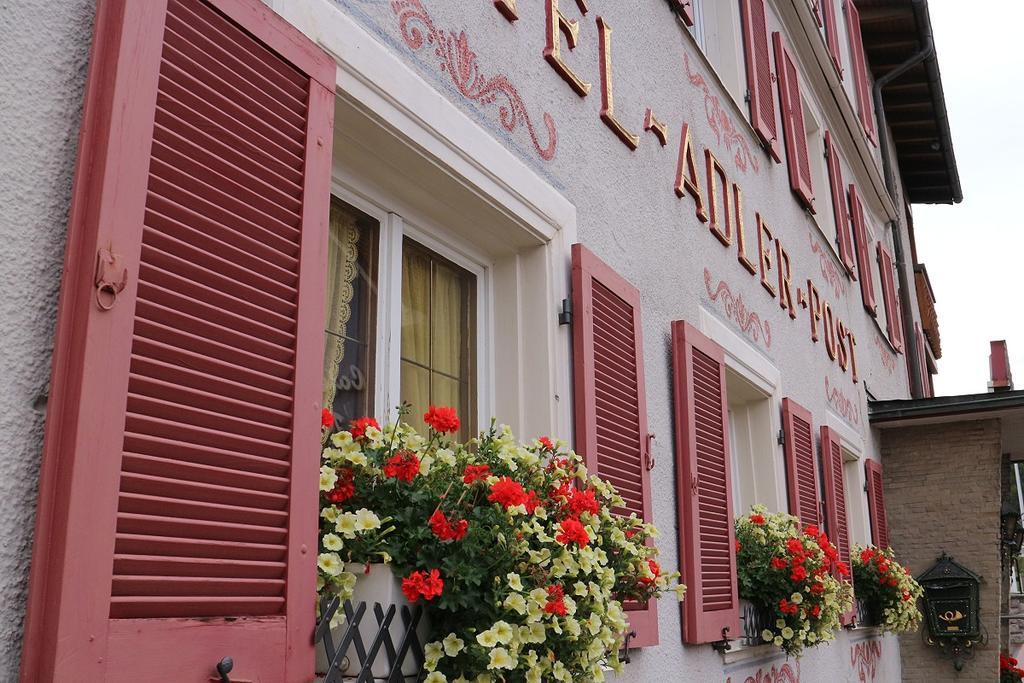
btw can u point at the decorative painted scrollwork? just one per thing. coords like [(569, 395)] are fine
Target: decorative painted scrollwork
[(886, 355), (848, 409), (736, 310), (864, 657), (829, 271), (459, 61), (720, 122), (782, 673)]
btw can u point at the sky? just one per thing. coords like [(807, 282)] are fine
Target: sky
[(973, 250)]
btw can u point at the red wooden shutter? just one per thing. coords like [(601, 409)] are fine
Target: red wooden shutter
[(685, 8), (860, 237), (707, 538), (892, 310), (922, 357), (610, 405), (177, 505), (835, 501), (839, 206), (801, 463), (865, 107), (759, 75), (876, 504), (832, 35), (797, 160)]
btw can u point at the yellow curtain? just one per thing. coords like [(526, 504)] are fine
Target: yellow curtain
[(342, 254), (449, 317), (415, 371)]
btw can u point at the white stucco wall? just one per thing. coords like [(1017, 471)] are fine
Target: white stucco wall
[(44, 50), (627, 214)]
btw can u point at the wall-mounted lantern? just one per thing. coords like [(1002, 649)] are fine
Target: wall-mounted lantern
[(1011, 531), (951, 607)]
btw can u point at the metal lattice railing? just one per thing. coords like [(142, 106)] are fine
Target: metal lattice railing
[(340, 654)]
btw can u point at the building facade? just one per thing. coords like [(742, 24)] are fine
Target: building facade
[(677, 233)]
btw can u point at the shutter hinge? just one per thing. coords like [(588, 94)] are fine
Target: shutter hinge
[(565, 315), (782, 437), (110, 278), (649, 455), (746, 96), (722, 646)]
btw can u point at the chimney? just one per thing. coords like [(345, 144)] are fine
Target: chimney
[(999, 366)]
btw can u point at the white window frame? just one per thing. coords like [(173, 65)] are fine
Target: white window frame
[(533, 364), (745, 361)]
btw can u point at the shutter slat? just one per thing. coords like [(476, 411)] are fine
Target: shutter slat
[(168, 410), (141, 607), (611, 420), (198, 473), (199, 491), (188, 379), (168, 565), (141, 544), (161, 586), (759, 75)]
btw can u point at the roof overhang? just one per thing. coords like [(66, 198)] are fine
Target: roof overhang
[(903, 412), (915, 105)]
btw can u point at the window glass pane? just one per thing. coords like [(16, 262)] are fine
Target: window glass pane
[(351, 293), (438, 336)]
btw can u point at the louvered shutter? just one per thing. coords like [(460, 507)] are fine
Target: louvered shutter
[(839, 205), (707, 538), (860, 238), (865, 107), (876, 504), (801, 463), (610, 404), (759, 75), (892, 310), (832, 35), (178, 499), (922, 357), (685, 8), (835, 502), (797, 160)]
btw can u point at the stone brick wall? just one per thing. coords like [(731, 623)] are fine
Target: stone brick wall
[(1016, 625), (942, 491)]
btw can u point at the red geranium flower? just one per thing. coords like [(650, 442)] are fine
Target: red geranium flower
[(655, 570), (422, 584), (757, 519), (326, 418), (866, 555), (572, 531), (445, 530), (842, 568), (556, 601), (739, 546), (582, 501), (546, 443), (358, 426), (344, 488), (815, 611), (811, 530), (817, 588), (507, 492), (442, 419), (794, 545), (403, 465), (475, 472), (798, 574), (532, 502)]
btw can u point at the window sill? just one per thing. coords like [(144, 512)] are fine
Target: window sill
[(746, 653), (862, 632)]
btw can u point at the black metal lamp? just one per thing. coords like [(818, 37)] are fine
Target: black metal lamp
[(1011, 531)]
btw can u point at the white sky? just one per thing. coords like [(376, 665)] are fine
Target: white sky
[(973, 250)]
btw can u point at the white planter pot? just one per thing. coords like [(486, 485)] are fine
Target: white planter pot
[(379, 585)]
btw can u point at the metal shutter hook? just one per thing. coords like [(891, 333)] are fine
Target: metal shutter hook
[(224, 667)]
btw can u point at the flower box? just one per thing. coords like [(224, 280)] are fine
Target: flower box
[(379, 585)]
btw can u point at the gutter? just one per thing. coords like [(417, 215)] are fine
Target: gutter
[(927, 51)]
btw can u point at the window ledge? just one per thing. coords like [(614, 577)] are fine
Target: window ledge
[(862, 632), (746, 653)]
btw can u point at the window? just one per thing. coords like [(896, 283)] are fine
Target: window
[(438, 320), (815, 137), (856, 499), (350, 315), (750, 443), (717, 30)]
